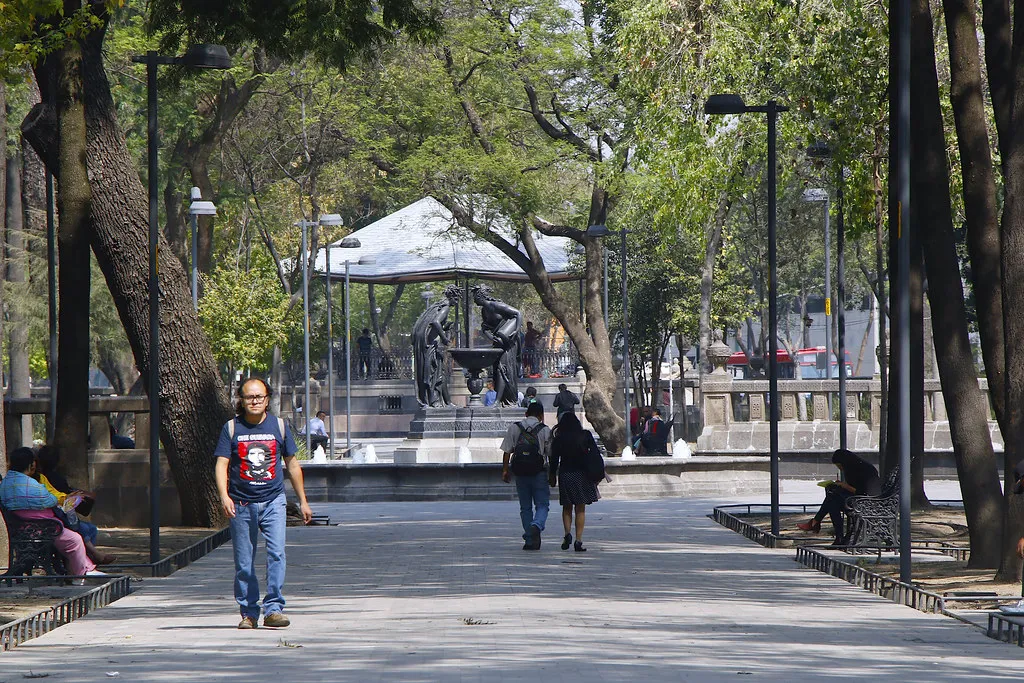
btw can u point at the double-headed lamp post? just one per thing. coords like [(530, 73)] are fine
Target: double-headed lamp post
[(304, 225), (347, 243), (821, 150), (196, 57), (820, 195), (603, 231), (197, 208), (733, 104)]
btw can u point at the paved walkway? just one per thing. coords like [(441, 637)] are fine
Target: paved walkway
[(443, 592)]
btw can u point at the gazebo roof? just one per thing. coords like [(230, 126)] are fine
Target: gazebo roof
[(423, 243)]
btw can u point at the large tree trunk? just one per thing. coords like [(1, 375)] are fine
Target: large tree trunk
[(62, 85), (4, 115), (979, 190), (977, 466), (193, 403), (19, 379), (1008, 101)]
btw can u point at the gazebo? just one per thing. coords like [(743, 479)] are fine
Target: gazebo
[(422, 242)]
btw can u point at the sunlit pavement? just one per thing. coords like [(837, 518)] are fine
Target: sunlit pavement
[(444, 592)]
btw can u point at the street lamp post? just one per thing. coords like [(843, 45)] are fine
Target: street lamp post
[(733, 104), (331, 219), (602, 231), (197, 208), (820, 195), (822, 150), (305, 225), (197, 57)]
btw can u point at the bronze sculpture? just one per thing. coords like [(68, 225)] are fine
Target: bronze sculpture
[(501, 323), (430, 339)]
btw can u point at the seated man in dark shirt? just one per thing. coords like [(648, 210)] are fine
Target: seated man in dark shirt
[(860, 478)]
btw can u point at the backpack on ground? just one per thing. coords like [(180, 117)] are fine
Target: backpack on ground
[(527, 459)]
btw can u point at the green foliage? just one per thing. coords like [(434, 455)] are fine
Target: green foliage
[(333, 31), (244, 315), (32, 29)]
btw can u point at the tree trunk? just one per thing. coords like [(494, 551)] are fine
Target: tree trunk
[(19, 380), (193, 403), (60, 78), (4, 115), (977, 466), (1007, 87)]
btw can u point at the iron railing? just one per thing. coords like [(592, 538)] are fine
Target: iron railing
[(398, 364), (17, 632), (182, 558)]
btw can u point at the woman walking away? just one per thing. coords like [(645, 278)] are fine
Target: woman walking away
[(860, 479), (576, 491)]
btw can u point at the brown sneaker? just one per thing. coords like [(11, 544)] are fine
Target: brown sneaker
[(248, 622), (276, 620)]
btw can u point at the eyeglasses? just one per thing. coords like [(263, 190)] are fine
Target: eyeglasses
[(258, 398)]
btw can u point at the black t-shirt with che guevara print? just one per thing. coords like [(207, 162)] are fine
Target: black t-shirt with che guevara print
[(256, 458)]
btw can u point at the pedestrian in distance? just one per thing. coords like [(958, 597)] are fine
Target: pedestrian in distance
[(565, 402), (570, 446), (526, 449), (529, 397), (253, 451)]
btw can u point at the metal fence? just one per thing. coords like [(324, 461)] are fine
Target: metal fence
[(17, 632), (398, 364)]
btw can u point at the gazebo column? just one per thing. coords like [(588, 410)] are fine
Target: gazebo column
[(466, 301)]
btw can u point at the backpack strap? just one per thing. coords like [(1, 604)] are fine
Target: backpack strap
[(280, 425), (231, 428)]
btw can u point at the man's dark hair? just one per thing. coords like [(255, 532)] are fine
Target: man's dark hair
[(366, 330), (531, 391), (656, 411), (321, 412), (563, 387), (21, 459), (536, 410)]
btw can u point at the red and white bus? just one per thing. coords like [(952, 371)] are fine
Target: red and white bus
[(810, 364)]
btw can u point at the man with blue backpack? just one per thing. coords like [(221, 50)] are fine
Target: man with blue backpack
[(526, 449)]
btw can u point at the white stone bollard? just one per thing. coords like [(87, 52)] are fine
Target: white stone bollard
[(628, 454), (681, 449), (465, 455), (319, 454), (369, 453)]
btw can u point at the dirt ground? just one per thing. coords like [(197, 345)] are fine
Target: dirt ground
[(942, 575), (130, 546)]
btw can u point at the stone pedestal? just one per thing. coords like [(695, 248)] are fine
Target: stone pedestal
[(436, 435)]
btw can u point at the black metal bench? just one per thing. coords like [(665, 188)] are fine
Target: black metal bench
[(31, 545), (873, 521)]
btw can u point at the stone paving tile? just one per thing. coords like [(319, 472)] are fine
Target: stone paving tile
[(443, 592)]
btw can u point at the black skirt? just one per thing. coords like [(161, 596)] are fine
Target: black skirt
[(574, 488)]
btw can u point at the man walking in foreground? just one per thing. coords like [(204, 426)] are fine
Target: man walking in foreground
[(252, 449), (526, 449)]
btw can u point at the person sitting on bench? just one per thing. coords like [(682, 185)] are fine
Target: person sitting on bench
[(28, 499), (318, 431), (654, 439), (860, 479)]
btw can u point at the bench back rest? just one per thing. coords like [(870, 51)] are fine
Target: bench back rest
[(892, 483)]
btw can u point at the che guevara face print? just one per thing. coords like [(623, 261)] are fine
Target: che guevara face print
[(258, 460)]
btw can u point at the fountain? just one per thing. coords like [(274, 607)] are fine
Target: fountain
[(475, 361)]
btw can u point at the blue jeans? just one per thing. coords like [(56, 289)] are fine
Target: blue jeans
[(533, 492), (250, 518), (88, 531)]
